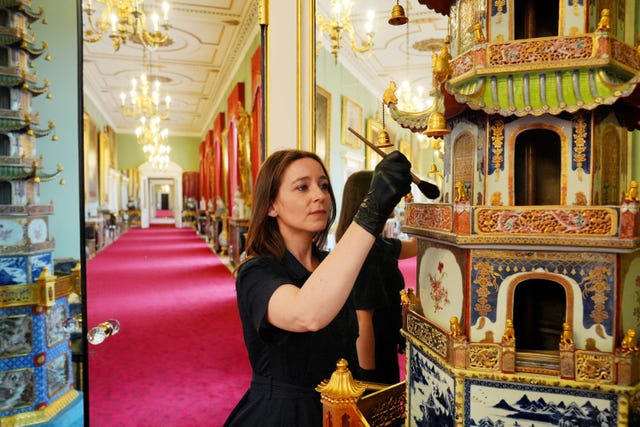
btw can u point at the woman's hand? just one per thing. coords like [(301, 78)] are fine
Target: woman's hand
[(391, 181)]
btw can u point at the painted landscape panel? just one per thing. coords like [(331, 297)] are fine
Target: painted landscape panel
[(490, 403)]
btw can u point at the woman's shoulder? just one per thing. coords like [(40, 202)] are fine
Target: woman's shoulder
[(259, 262)]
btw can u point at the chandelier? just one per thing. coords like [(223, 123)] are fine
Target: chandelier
[(339, 25), (154, 142), (125, 20), (411, 99), (144, 100)]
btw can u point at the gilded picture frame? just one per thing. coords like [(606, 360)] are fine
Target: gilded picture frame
[(322, 141), (374, 127), (90, 142), (351, 118), (106, 142)]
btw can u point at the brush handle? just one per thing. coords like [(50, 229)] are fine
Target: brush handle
[(371, 145)]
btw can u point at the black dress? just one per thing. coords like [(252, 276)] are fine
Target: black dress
[(287, 366), (378, 288)]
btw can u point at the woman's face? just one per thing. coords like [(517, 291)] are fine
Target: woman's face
[(303, 201)]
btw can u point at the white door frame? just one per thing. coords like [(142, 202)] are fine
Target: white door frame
[(172, 172)]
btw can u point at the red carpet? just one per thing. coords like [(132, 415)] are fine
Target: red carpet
[(179, 358), (164, 213)]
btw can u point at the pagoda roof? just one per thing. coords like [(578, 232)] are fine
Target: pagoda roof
[(545, 76), (25, 7)]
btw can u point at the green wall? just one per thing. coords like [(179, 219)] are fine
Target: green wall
[(64, 110), (184, 151)]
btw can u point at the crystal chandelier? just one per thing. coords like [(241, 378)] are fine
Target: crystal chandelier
[(143, 102), (155, 142), (411, 100), (125, 20), (339, 25)]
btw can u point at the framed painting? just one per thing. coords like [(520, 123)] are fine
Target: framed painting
[(404, 146), (351, 118), (322, 142), (106, 146), (90, 141), (374, 127)]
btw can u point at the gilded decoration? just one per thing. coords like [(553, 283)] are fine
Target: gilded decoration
[(496, 136), (593, 272), (580, 159), (593, 221), (545, 75), (597, 284), (595, 366), (486, 282), (439, 217), (498, 9), (535, 51), (428, 334), (484, 356)]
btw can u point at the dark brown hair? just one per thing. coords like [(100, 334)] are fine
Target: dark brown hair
[(355, 189), (263, 235)]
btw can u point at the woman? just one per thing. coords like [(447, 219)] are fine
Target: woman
[(376, 293), (292, 295)]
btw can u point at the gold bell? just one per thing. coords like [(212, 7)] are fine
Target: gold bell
[(383, 139), (437, 125), (398, 16)]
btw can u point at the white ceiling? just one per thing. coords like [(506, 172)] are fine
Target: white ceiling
[(209, 37)]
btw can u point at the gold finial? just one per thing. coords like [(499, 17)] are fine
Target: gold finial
[(455, 329), (461, 194), (566, 337), (389, 95), (630, 341), (441, 66), (341, 387), (478, 36), (603, 24), (632, 193), (509, 331)]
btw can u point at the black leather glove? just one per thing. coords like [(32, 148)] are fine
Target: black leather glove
[(391, 181)]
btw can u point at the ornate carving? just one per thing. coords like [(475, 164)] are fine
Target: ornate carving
[(579, 144), (484, 357), (485, 279), (497, 146), (597, 283), (632, 193), (428, 334), (509, 334), (594, 366), (576, 221), (630, 341), (566, 338), (536, 51)]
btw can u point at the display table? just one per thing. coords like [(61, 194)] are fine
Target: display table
[(237, 229), (94, 234)]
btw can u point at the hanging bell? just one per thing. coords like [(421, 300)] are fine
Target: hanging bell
[(383, 139), (398, 16), (437, 125)]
